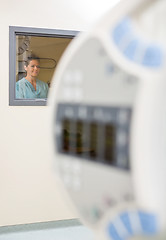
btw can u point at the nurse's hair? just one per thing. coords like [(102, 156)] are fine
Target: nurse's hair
[(30, 58)]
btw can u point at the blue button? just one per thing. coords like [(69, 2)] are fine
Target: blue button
[(148, 222), (113, 232), (120, 31), (130, 50), (153, 56), (126, 221)]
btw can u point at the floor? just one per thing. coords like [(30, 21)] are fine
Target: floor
[(58, 230)]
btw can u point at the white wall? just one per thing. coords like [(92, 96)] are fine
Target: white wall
[(28, 189), (28, 186)]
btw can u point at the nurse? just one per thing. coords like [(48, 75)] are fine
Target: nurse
[(30, 86)]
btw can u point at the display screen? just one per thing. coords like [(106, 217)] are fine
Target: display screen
[(104, 141), (83, 138)]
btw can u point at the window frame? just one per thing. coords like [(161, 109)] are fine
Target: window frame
[(28, 31)]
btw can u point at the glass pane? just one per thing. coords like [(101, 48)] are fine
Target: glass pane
[(36, 61)]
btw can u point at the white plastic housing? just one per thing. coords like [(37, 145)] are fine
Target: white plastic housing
[(106, 70)]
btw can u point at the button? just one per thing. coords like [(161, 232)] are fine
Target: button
[(121, 228), (112, 232), (98, 114), (82, 112), (123, 116), (69, 112), (148, 222), (67, 79), (125, 219), (153, 57), (78, 77), (122, 160), (110, 68), (121, 30), (58, 129), (77, 94), (135, 222), (76, 167), (122, 138), (132, 223), (130, 50), (109, 117), (67, 93)]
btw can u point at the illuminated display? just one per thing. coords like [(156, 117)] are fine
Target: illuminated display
[(75, 141), (104, 141)]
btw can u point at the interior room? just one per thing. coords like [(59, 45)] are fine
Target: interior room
[(29, 190), (82, 120)]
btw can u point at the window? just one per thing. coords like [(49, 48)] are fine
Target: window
[(29, 78)]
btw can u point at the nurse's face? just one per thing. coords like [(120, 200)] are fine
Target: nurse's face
[(33, 68)]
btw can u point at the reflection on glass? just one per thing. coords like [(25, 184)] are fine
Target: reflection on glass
[(79, 137), (93, 140), (74, 140), (66, 136), (110, 143)]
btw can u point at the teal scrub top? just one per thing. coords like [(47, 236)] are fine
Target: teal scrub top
[(24, 89)]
